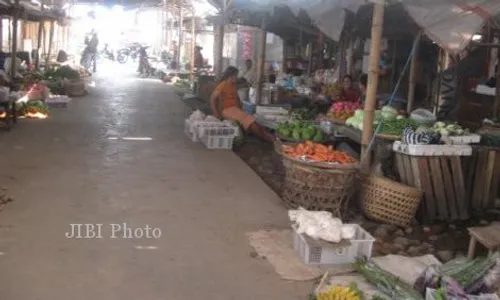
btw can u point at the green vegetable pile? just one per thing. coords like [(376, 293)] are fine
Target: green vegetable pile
[(386, 114), (60, 73), (182, 84), (396, 126), (300, 131), (304, 114), (452, 129), (386, 282)]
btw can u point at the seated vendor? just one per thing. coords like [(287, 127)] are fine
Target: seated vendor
[(363, 83), (349, 93), (226, 95)]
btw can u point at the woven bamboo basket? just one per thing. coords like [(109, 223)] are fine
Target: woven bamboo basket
[(316, 188), (75, 88), (389, 201)]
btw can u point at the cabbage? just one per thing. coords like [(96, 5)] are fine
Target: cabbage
[(378, 114), (400, 117), (389, 109), (351, 121), (359, 113), (389, 116), (439, 125)]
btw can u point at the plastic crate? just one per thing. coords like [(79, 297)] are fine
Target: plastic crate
[(465, 139), (430, 294), (218, 142), (216, 129), (323, 253), (432, 150), (273, 109), (58, 101), (190, 131), (248, 107)]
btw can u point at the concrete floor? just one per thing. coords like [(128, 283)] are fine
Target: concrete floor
[(66, 170)]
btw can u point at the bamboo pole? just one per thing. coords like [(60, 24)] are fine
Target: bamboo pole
[(496, 104), (181, 37), (1, 34), (350, 56), (9, 39), (371, 91), (51, 38), (39, 43), (219, 57), (193, 45), (413, 75), (262, 59), (13, 56)]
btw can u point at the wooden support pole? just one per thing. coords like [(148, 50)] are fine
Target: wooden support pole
[(371, 91), (193, 45), (219, 57), (51, 40), (1, 34), (13, 56), (181, 38), (350, 56), (39, 45), (496, 104), (262, 59), (413, 75)]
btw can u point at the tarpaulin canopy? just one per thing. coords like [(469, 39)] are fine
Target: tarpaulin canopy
[(449, 23)]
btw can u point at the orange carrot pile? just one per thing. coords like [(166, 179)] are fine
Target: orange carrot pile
[(318, 152)]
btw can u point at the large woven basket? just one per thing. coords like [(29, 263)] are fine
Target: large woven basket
[(389, 201), (316, 188), (75, 88)]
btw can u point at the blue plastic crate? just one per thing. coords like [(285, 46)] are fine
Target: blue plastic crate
[(249, 108)]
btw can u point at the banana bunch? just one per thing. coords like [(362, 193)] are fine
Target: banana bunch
[(339, 293)]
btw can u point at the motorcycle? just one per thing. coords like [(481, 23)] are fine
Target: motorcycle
[(107, 53), (131, 51)]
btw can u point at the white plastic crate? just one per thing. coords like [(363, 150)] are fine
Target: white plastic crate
[(432, 150), (465, 139), (58, 101), (190, 131), (218, 142), (215, 129), (271, 110), (323, 253), (430, 294)]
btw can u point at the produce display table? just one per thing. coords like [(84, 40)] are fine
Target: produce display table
[(488, 236), (441, 179)]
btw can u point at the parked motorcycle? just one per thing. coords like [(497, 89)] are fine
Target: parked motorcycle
[(131, 51), (107, 52)]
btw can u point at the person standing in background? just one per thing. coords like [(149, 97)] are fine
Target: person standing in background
[(249, 73)]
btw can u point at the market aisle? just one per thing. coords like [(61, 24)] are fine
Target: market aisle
[(66, 170)]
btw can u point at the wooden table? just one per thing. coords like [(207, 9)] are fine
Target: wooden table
[(488, 236)]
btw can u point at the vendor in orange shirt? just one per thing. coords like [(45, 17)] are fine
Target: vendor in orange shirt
[(226, 104), (349, 93)]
